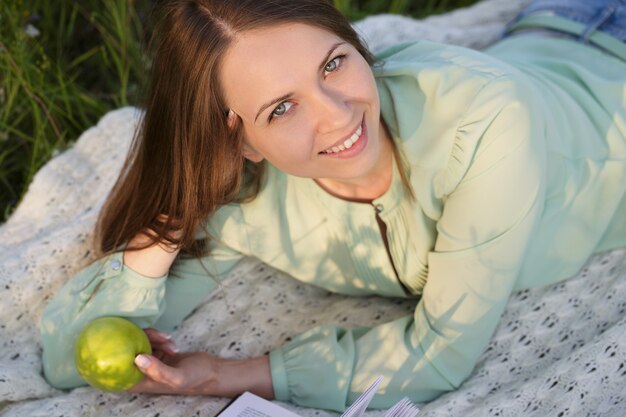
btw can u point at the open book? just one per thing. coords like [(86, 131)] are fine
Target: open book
[(250, 405)]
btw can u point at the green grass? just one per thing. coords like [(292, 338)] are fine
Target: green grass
[(84, 60)]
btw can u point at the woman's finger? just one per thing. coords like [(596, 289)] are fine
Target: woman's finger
[(168, 347), (155, 335), (161, 354), (161, 341), (159, 372)]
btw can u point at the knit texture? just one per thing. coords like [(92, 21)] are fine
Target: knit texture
[(558, 350)]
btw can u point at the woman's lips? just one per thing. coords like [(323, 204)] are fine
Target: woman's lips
[(358, 141), (349, 146)]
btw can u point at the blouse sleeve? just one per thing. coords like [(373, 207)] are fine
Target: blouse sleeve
[(109, 288), (495, 197)]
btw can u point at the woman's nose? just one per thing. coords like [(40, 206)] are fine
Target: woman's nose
[(333, 110)]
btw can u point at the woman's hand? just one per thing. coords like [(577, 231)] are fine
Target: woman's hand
[(169, 373), (199, 373), (192, 373)]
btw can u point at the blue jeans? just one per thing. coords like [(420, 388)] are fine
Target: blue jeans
[(608, 16)]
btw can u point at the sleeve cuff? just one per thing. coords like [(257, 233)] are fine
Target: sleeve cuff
[(279, 375)]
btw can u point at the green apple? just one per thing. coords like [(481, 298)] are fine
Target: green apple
[(105, 353)]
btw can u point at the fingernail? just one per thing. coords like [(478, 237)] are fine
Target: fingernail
[(142, 361), (173, 347), (165, 335)]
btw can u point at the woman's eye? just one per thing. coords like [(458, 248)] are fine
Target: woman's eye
[(281, 109), (333, 64)]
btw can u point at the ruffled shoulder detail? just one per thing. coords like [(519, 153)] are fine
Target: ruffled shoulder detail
[(491, 98), (458, 164)]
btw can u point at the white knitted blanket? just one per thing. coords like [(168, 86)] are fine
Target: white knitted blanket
[(558, 351)]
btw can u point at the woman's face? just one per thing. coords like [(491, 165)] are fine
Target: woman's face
[(307, 100)]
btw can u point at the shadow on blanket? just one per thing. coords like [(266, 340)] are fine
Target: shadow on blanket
[(558, 350)]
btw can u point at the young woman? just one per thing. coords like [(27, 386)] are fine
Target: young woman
[(434, 172)]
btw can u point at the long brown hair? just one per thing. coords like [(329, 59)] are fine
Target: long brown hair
[(184, 161)]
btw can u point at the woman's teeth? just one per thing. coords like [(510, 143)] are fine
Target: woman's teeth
[(348, 143)]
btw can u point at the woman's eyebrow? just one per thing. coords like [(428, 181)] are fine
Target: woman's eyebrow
[(286, 96), (330, 52), (274, 101)]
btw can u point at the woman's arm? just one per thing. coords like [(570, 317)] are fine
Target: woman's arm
[(199, 373), (153, 261), (109, 287)]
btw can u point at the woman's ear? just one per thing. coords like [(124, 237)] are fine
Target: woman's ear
[(231, 119), (250, 153)]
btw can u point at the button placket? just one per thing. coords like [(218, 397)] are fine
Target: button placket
[(100, 272), (116, 264), (114, 267)]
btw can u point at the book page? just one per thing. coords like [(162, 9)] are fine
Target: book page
[(404, 408), (250, 405), (357, 409)]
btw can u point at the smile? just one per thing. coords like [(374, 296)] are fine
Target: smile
[(347, 144)]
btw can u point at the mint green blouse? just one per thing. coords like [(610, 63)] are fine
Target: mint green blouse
[(517, 158)]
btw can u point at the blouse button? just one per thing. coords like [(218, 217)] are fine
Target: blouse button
[(378, 208), (116, 265)]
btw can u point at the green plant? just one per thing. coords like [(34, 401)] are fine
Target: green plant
[(359, 9), (63, 64)]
